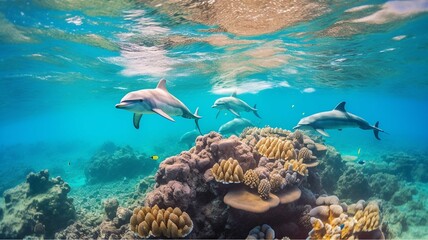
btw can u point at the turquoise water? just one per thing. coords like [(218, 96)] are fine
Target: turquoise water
[(64, 66)]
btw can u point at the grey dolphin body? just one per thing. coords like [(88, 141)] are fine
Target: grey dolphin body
[(189, 137), (234, 105), (338, 118), (158, 100), (235, 126)]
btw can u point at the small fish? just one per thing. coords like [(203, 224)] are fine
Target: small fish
[(362, 162), (359, 150), (69, 163), (292, 106), (155, 157), (342, 226)]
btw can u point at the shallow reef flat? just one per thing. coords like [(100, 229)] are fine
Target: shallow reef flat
[(266, 183)]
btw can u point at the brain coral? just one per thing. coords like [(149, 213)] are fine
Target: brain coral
[(275, 148), (296, 166), (228, 171), (251, 179), (169, 223), (264, 189)]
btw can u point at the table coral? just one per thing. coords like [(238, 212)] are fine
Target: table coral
[(250, 202), (157, 222)]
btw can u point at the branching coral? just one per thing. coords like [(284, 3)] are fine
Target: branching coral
[(169, 223), (228, 171), (275, 148)]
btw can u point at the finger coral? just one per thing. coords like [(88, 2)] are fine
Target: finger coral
[(275, 148), (264, 189), (296, 166), (156, 222), (261, 232), (228, 171), (251, 179)]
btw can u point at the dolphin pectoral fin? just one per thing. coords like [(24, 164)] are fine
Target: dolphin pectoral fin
[(137, 117), (218, 113), (339, 129), (163, 114), (322, 132), (235, 113)]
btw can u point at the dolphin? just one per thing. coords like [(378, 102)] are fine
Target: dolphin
[(337, 118), (189, 137), (158, 100), (235, 126), (234, 105)]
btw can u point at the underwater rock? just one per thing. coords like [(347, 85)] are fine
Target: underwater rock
[(110, 207), (403, 195), (38, 202), (330, 169), (353, 185), (383, 185), (111, 162)]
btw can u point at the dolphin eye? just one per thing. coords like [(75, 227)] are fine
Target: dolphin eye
[(141, 100)]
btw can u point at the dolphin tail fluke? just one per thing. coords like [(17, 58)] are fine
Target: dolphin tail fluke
[(376, 130), (255, 111), (197, 117)]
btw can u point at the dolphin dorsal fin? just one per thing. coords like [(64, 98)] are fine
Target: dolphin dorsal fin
[(162, 84), (233, 94), (340, 107)]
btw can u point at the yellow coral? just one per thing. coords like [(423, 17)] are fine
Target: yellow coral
[(251, 179), (275, 148), (296, 166), (228, 171), (368, 219), (344, 226), (156, 222)]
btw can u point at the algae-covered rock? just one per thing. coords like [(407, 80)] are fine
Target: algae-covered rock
[(111, 162), (383, 185), (38, 206), (353, 185)]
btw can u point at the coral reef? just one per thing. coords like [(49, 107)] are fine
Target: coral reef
[(156, 222), (264, 189), (228, 171), (250, 202), (296, 166), (112, 162), (39, 206), (383, 185)]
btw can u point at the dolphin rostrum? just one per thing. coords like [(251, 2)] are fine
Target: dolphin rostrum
[(235, 126), (337, 118), (158, 100), (234, 105)]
